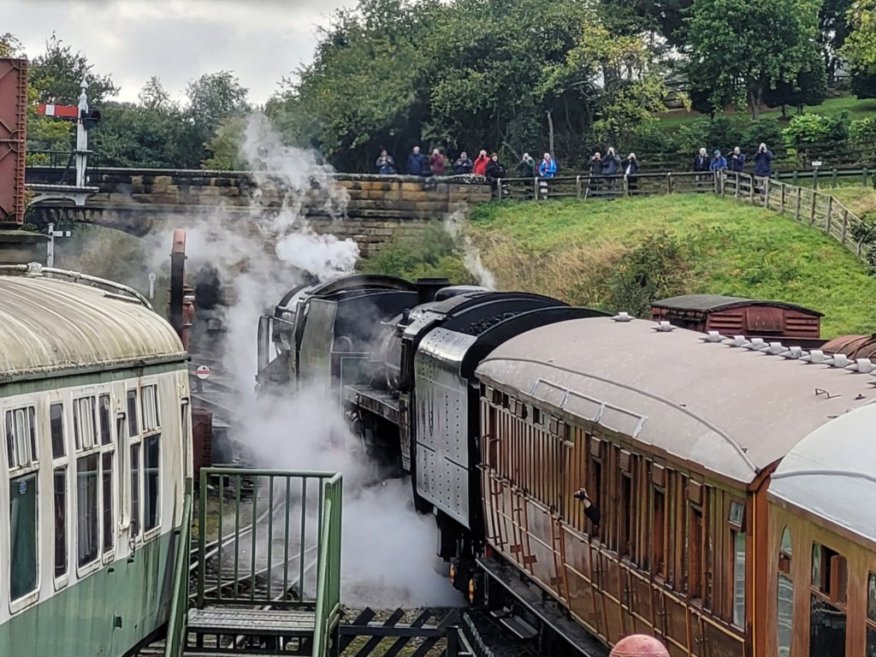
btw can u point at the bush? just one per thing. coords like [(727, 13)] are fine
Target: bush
[(863, 131), (651, 137), (720, 132), (814, 136), (763, 131)]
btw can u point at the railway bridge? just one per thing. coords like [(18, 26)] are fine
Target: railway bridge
[(374, 208)]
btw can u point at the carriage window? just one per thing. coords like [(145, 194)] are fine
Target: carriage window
[(871, 615), (104, 411), (133, 425), (695, 553), (56, 421), (785, 593), (135, 490), (23, 534), (738, 578), (83, 423), (150, 408), (87, 504), (21, 448), (658, 531), (595, 492), (626, 515), (107, 491), (151, 457), (827, 614), (60, 501)]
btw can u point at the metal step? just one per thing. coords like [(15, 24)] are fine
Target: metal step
[(252, 622)]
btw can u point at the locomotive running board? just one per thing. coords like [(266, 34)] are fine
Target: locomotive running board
[(533, 598)]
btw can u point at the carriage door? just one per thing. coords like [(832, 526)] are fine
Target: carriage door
[(827, 613)]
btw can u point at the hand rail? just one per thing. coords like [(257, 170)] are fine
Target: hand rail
[(178, 620), (328, 589)]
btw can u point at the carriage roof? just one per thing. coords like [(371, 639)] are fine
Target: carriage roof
[(54, 326)]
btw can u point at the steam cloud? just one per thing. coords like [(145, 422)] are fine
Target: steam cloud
[(388, 550), (454, 224)]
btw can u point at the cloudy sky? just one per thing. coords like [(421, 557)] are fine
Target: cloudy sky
[(177, 40)]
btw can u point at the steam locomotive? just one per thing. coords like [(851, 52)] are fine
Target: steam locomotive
[(733, 477)]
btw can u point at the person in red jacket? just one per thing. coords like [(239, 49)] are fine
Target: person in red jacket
[(480, 164)]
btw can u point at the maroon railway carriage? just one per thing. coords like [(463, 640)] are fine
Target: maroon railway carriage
[(770, 320), (675, 439)]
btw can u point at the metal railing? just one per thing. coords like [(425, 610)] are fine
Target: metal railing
[(179, 605), (806, 205), (268, 527), (328, 591)]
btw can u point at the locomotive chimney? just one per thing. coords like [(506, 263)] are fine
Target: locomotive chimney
[(427, 288)]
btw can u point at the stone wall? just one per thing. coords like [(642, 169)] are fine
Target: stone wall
[(377, 208)]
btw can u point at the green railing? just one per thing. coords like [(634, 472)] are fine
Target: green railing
[(179, 606), (328, 596), (260, 531)]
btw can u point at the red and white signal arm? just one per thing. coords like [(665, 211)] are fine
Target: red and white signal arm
[(203, 372), (58, 111)]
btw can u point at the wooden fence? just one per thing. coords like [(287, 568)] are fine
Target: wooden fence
[(805, 204)]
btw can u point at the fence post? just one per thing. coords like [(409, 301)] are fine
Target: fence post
[(766, 193), (799, 195), (782, 198), (845, 225), (794, 179), (669, 182), (812, 209), (578, 187), (499, 188), (833, 179), (626, 186), (751, 189), (815, 179), (536, 189), (829, 210), (865, 176)]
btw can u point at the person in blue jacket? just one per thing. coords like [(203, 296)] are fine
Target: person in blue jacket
[(417, 163), (547, 168), (719, 162), (763, 162)]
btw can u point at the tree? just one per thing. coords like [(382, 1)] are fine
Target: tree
[(742, 48), (213, 98), (834, 28), (10, 46), (860, 46), (57, 75), (153, 96), (809, 88)]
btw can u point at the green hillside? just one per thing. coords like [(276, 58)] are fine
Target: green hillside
[(624, 252)]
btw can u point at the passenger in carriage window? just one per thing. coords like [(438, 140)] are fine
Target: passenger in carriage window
[(590, 509)]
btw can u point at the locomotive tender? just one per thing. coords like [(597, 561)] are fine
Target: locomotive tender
[(94, 399), (734, 477)]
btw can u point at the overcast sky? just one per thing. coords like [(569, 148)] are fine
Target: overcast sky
[(177, 40)]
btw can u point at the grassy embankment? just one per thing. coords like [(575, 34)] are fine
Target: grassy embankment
[(623, 254)]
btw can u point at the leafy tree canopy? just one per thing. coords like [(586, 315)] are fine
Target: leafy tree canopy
[(860, 46)]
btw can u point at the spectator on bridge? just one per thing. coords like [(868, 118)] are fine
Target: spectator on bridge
[(385, 164), (417, 163), (547, 168), (590, 509), (480, 164), (463, 165), (495, 169), (631, 168), (526, 168), (763, 162), (701, 161), (595, 173), (719, 162), (436, 162), (737, 160), (611, 166)]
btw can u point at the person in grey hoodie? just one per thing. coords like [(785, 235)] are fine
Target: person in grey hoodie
[(611, 166)]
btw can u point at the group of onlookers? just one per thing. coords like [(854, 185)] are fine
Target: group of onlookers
[(718, 163), (489, 166)]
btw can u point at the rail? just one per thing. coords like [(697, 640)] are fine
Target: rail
[(328, 596), (806, 205), (179, 606), (266, 534), (604, 187)]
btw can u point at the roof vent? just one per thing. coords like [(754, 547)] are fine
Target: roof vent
[(757, 344), (815, 356), (794, 353), (34, 269), (713, 336), (840, 360), (623, 317), (862, 365), (739, 341), (663, 327)]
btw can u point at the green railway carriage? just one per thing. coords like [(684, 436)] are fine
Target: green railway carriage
[(94, 405)]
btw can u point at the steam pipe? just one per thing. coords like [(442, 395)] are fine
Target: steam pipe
[(177, 282)]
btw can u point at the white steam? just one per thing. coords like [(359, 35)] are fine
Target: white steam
[(388, 550), (454, 224)]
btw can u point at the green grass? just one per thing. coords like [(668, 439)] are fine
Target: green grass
[(570, 249), (857, 109)]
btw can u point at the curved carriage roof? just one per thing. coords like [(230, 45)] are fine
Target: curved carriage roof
[(713, 302), (50, 326), (730, 410), (832, 472)]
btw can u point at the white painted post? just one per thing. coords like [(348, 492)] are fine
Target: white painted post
[(50, 246), (81, 139)]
